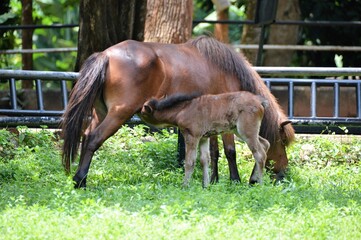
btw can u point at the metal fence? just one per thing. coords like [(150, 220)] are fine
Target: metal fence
[(287, 78)]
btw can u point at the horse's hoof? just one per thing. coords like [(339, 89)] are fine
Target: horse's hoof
[(253, 182), (235, 181), (79, 183), (214, 179), (280, 178)]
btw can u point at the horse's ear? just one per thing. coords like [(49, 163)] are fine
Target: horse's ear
[(284, 124)]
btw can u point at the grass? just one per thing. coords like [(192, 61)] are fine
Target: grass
[(134, 192)]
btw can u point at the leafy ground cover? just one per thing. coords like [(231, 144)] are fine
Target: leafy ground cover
[(134, 192)]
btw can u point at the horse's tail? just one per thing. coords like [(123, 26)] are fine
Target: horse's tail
[(235, 63), (78, 112)]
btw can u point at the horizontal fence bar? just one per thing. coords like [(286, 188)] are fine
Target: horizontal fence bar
[(236, 46), (264, 71), (308, 121), (307, 82), (197, 21), (12, 27), (39, 50), (23, 112), (308, 71), (44, 75), (297, 47), (50, 121), (289, 22)]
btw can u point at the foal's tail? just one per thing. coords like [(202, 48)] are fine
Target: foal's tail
[(78, 112)]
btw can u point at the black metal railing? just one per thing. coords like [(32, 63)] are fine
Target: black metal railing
[(287, 77)]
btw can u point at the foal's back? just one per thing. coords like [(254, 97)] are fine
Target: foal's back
[(214, 114)]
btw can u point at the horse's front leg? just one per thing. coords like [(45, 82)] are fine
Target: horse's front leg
[(205, 159), (190, 159)]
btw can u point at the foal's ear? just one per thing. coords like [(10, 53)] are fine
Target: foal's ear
[(284, 124), (147, 109)]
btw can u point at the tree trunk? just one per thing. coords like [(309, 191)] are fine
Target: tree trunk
[(283, 34), (221, 30), (251, 33), (278, 34), (27, 40), (105, 23), (168, 21)]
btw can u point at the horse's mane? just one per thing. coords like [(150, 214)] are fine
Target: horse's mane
[(234, 63), (172, 100)]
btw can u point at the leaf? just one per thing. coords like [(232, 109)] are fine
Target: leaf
[(6, 16)]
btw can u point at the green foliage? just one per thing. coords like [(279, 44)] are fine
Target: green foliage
[(134, 192), (7, 37), (45, 12), (236, 12), (330, 10)]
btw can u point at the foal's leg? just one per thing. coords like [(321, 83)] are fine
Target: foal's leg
[(205, 159), (94, 139), (230, 151), (248, 129), (260, 154), (190, 159)]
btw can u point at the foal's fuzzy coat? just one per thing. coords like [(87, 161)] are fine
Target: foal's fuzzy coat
[(199, 117)]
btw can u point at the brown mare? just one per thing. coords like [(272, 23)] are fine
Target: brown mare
[(114, 84), (198, 118)]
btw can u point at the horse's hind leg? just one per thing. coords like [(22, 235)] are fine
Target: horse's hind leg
[(93, 139), (214, 154), (230, 152)]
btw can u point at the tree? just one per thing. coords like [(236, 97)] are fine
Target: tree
[(168, 21), (283, 34), (27, 39), (221, 30), (102, 25), (286, 34), (330, 10), (7, 37)]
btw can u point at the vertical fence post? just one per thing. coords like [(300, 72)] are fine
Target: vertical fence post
[(64, 92), (290, 99), (358, 96), (336, 96), (39, 94), (313, 100), (13, 97)]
